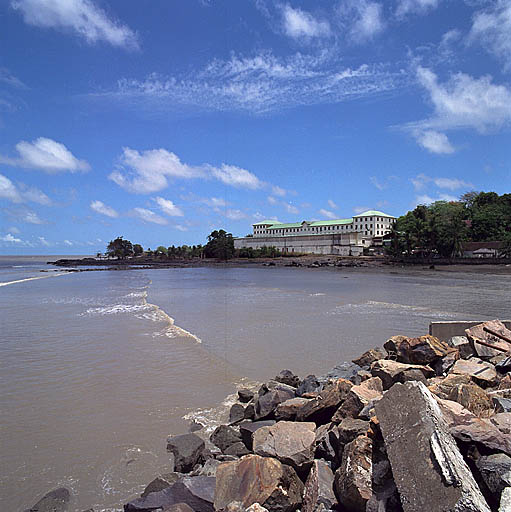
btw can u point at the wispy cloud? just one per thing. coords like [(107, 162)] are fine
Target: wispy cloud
[(301, 24), (328, 214), (259, 85), (22, 193), (332, 205), (103, 209), (405, 7), (434, 142), (421, 181), (234, 214), (11, 239), (148, 216), (426, 199), (492, 27), (360, 209), (168, 207), (45, 155), (148, 171), (81, 17), (6, 77), (362, 19)]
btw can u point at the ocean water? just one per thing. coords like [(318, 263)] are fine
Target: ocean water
[(97, 368)]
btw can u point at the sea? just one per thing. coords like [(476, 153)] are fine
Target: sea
[(98, 368)]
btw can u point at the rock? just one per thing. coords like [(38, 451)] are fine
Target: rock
[(327, 444), (256, 508), (247, 429), (428, 469), (353, 480), (287, 410), (347, 371), (481, 372), (390, 371), (187, 449), (501, 404), (368, 410), (319, 488), (478, 333), (196, 491), (249, 413), (358, 397), (496, 471), (266, 404), (321, 408), (209, 468), (443, 388), (160, 483), (444, 364), (463, 345), (422, 350), (369, 357), (195, 426), (472, 397), (505, 382), (55, 501), (502, 421), (290, 442), (245, 395), (236, 414), (350, 428), (309, 385), (392, 345), (288, 377), (237, 450), (254, 479), (505, 500), (504, 364), (224, 436), (179, 507)]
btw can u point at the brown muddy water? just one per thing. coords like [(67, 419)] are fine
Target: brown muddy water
[(97, 368)]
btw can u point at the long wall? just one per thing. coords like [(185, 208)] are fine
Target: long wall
[(342, 245)]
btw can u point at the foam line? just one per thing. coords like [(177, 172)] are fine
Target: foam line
[(31, 279)]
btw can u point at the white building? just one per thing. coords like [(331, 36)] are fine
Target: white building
[(340, 236)]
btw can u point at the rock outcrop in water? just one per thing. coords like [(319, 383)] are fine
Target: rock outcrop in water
[(422, 425)]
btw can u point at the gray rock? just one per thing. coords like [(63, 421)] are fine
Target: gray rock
[(505, 500), (161, 482), (196, 491), (481, 372), (502, 421), (496, 471), (247, 429), (368, 411), (369, 357), (55, 501), (266, 404), (428, 468), (245, 395), (463, 345), (504, 365), (195, 426), (249, 413), (186, 449), (327, 444), (319, 488), (209, 468), (288, 377), (390, 371), (237, 450), (358, 397), (288, 410), (309, 385), (350, 428), (179, 507), (501, 404), (236, 414), (346, 370), (224, 436)]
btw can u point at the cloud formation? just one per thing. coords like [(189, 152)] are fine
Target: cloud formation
[(45, 155), (298, 24), (422, 180), (22, 193), (148, 216), (103, 209), (434, 142), (405, 7), (363, 19), (11, 239), (328, 214), (82, 17), (168, 207)]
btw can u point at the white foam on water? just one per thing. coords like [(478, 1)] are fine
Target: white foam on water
[(33, 279), (316, 294), (115, 309)]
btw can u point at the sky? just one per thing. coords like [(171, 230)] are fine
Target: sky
[(161, 120)]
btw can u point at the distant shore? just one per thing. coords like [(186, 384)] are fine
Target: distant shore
[(381, 263)]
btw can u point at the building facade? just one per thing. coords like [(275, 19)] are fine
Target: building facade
[(341, 236)]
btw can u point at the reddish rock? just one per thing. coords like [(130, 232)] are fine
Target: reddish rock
[(484, 432), (391, 372), (473, 398), (287, 410), (422, 350), (358, 397), (481, 372), (478, 333), (369, 357), (502, 421), (319, 488)]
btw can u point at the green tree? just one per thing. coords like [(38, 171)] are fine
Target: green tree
[(160, 252), (138, 250), (220, 245), (119, 248)]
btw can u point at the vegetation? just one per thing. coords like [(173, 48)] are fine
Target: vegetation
[(220, 245), (442, 227), (119, 248)]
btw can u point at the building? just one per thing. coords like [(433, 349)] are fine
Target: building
[(482, 249), (341, 236)]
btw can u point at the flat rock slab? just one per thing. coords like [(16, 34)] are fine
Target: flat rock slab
[(55, 501), (290, 442), (480, 372), (391, 372), (429, 470), (288, 410), (248, 428), (478, 333), (255, 479)]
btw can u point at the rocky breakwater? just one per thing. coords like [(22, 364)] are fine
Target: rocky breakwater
[(420, 425)]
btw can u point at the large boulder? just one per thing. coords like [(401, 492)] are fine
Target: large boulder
[(345, 370), (196, 491), (327, 444), (288, 410), (224, 436), (288, 377), (321, 408), (482, 432), (248, 428), (422, 350), (161, 482), (350, 428), (308, 386), (267, 402), (353, 480), (369, 357), (55, 501), (478, 332), (236, 414), (473, 398), (391, 372), (358, 397), (502, 421), (245, 395), (187, 449), (319, 488), (255, 479), (495, 470), (428, 468), (290, 442), (462, 344), (481, 372)]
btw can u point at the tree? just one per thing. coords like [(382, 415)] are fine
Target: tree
[(220, 245), (160, 252), (119, 248), (138, 250)]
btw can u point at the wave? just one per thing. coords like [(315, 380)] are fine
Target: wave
[(33, 279), (171, 330)]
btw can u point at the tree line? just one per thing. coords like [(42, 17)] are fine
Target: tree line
[(444, 226)]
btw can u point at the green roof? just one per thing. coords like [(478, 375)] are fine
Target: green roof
[(374, 213), (266, 222), (285, 226), (334, 222)]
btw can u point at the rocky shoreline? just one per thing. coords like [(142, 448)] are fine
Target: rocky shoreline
[(420, 424)]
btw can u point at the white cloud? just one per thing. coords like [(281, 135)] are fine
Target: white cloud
[(8, 190), (492, 27), (10, 238), (426, 199), (80, 16), (332, 205), (434, 142), (299, 24), (168, 207), (451, 183), (215, 202), (405, 7), (278, 191), (46, 155), (291, 208), (8, 78), (420, 181), (235, 214), (272, 200), (31, 218), (103, 209), (148, 216), (236, 176), (260, 84), (328, 214), (44, 242), (380, 186), (360, 209), (180, 227), (368, 20), (21, 193), (68, 243)]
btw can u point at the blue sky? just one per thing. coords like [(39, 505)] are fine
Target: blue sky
[(161, 121)]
